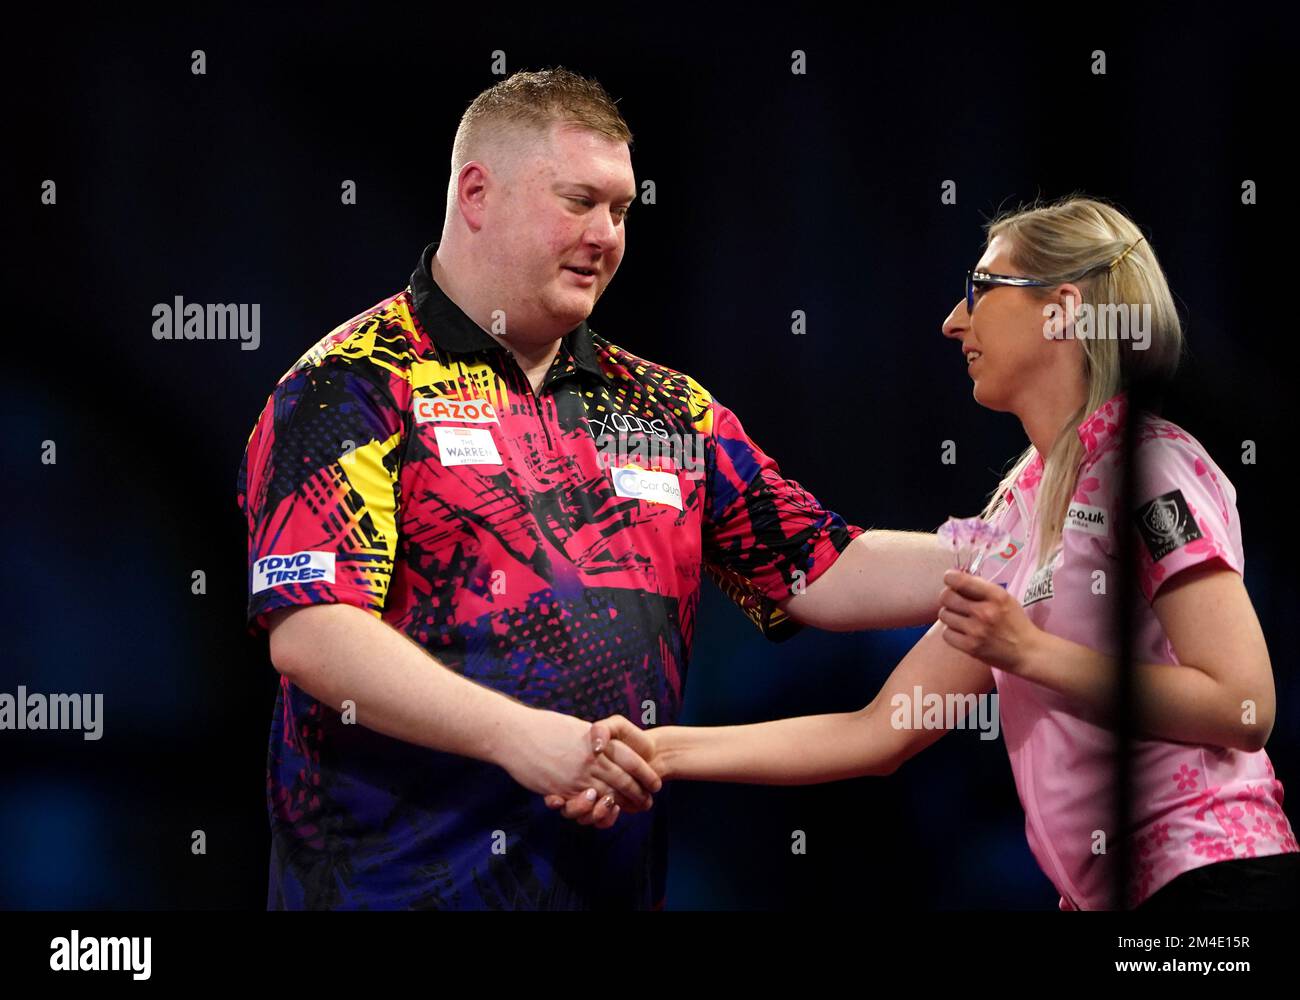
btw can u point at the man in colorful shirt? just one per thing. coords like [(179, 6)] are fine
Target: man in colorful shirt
[(474, 522)]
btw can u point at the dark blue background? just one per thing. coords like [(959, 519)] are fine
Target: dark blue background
[(775, 192)]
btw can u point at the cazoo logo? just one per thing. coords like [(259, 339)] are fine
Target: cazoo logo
[(468, 411)]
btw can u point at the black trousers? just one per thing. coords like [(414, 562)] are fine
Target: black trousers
[(1271, 883)]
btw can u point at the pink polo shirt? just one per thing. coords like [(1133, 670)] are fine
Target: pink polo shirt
[(1192, 804)]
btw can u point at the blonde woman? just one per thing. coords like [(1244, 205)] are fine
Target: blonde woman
[(1037, 623)]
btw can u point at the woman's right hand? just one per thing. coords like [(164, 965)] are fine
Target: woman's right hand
[(554, 754), (615, 737)]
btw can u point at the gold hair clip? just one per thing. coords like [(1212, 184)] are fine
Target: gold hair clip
[(1115, 263)]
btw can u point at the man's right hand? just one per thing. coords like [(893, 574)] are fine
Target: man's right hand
[(555, 755), (616, 735)]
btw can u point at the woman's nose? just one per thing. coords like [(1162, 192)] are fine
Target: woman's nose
[(958, 320)]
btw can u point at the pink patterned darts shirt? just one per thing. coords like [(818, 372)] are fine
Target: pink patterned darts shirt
[(1193, 804)]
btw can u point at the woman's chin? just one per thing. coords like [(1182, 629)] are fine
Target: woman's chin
[(985, 397)]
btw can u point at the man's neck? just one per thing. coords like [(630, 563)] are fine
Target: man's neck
[(535, 365), (533, 359)]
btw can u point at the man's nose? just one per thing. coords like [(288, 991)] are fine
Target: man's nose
[(603, 230)]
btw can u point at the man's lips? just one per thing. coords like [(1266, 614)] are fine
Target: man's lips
[(584, 275)]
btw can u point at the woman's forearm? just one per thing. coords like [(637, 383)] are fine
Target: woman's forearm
[(799, 751), (1171, 701), (815, 748)]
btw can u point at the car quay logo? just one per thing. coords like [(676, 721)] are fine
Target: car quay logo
[(298, 567), (644, 484), (101, 954), (1082, 517), (436, 409)]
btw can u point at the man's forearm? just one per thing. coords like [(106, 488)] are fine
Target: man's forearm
[(338, 653), (884, 579)]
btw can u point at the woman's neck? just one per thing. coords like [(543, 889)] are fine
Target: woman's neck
[(1046, 415)]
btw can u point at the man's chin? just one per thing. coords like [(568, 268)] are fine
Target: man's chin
[(571, 310)]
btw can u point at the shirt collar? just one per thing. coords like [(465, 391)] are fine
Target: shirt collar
[(1094, 431), (1029, 477), (1103, 423), (453, 331)]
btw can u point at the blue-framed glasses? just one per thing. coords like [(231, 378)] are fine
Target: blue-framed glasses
[(985, 279)]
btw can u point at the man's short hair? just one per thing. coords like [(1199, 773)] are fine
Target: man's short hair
[(534, 101)]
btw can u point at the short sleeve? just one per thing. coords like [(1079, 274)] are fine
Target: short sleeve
[(763, 533), (318, 487), (1187, 509)]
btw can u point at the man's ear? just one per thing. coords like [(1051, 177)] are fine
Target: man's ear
[(471, 193)]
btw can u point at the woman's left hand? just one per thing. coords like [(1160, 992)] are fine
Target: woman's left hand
[(986, 622)]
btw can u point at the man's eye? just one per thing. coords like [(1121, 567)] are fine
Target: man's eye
[(585, 202)]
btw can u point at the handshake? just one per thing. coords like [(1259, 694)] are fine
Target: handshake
[(592, 771)]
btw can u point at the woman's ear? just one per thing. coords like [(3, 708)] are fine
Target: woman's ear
[(1061, 313)]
